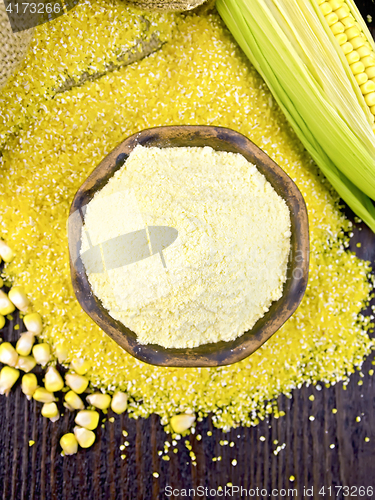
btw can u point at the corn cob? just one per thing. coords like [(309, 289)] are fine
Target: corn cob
[(317, 58)]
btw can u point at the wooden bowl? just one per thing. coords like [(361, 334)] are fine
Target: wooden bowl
[(220, 353)]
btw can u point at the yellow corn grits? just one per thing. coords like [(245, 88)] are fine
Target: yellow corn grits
[(51, 145)]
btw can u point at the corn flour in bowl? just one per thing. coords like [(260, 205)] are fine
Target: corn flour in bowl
[(186, 246)]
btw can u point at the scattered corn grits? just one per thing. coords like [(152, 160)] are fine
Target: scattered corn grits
[(228, 266), (198, 77)]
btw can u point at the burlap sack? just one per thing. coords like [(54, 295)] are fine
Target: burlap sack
[(13, 46)]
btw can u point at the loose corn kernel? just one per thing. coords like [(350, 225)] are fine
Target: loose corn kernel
[(368, 87), (6, 306), (347, 48), (74, 401), (99, 400), (357, 68), (89, 419), (18, 296), (85, 438), (361, 78), (50, 410), (25, 343), (53, 380), (341, 38), (43, 396), (61, 351), (8, 377), (26, 363), (370, 99), (338, 28), (331, 18), (2, 321), (352, 57), (8, 354), (325, 8), (6, 253), (80, 366), (78, 383), (69, 444), (42, 353), (182, 422), (33, 323), (29, 385), (119, 402)]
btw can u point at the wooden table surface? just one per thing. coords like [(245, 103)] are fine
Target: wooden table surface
[(328, 452)]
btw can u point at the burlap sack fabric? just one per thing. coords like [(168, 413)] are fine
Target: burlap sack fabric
[(13, 46)]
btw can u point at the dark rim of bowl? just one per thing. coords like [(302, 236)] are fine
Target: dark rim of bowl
[(220, 353)]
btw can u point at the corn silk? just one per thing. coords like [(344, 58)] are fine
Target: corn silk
[(51, 144)]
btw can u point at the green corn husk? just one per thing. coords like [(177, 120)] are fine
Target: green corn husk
[(293, 49)]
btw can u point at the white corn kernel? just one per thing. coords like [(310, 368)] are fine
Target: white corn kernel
[(33, 323), (89, 419), (99, 400), (6, 306), (85, 438), (78, 383), (6, 253), (8, 354), (53, 380), (18, 296), (50, 410), (61, 351), (181, 423), (119, 402), (26, 363), (69, 444), (42, 353), (25, 343), (8, 377), (29, 385), (74, 401), (43, 396), (80, 366)]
